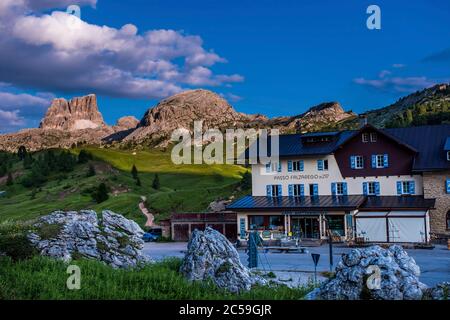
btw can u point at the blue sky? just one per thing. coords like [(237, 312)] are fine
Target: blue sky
[(270, 57)]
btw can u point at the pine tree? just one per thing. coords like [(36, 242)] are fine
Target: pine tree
[(9, 180), (22, 152), (91, 172), (101, 194), (155, 184), (134, 172), (246, 181), (84, 156)]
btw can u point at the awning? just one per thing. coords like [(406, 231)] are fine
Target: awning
[(303, 204)]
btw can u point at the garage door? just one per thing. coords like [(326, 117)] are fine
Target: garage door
[(393, 226), (407, 226), (371, 226)]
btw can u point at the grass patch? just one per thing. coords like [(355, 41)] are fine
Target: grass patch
[(49, 231), (44, 278), (183, 188)]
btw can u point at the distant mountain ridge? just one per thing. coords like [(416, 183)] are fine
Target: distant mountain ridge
[(78, 121)]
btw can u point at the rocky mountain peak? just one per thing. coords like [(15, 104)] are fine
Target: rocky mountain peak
[(77, 114), (126, 123), (181, 110)]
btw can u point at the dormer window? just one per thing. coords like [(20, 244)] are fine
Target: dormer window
[(365, 137), (373, 137)]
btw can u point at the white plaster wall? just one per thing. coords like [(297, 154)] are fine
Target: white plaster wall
[(388, 185)]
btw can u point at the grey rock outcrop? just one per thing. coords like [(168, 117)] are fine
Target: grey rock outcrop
[(77, 114), (441, 291), (112, 239), (399, 276), (210, 256)]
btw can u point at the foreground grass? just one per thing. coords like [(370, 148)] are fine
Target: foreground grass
[(45, 278)]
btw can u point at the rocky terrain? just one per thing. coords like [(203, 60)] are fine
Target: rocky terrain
[(79, 121), (398, 277), (210, 256), (110, 238)]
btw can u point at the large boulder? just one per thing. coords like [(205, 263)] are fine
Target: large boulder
[(399, 276), (210, 256), (112, 238)]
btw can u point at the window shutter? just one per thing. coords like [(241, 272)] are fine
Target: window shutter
[(269, 190), (316, 189), (365, 188), (302, 190), (280, 193), (353, 162), (447, 183), (399, 187), (268, 167), (412, 187), (302, 165), (279, 166), (333, 188), (377, 188), (374, 161), (344, 187), (320, 165), (385, 161), (289, 165), (291, 190)]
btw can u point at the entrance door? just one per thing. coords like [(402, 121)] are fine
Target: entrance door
[(306, 227)]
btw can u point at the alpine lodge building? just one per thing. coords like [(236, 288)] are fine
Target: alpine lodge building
[(369, 185)]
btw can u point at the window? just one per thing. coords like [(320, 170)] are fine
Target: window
[(266, 223), (322, 165), (405, 187), (365, 137), (448, 155), (380, 162), (298, 190), (371, 188), (276, 223), (273, 167), (274, 190), (447, 186), (373, 137), (256, 222), (359, 162), (297, 165), (339, 188), (314, 189), (448, 220)]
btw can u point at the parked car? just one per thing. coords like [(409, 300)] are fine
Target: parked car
[(150, 237)]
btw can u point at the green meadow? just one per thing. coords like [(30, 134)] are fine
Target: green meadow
[(183, 188)]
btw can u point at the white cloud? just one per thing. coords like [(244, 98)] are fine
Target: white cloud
[(10, 120), (59, 52), (398, 84)]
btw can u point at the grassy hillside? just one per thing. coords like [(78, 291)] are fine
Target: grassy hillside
[(183, 187)]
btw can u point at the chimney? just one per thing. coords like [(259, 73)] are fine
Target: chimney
[(362, 120)]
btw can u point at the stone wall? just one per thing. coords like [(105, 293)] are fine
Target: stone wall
[(434, 187)]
